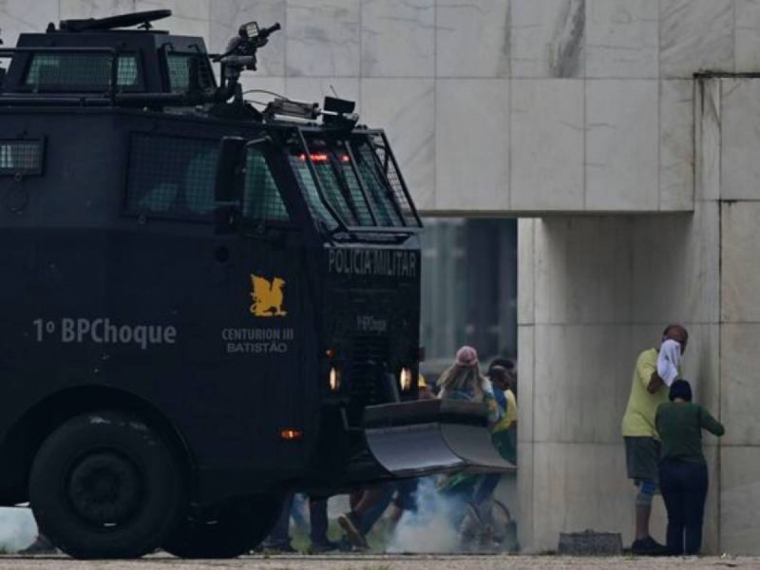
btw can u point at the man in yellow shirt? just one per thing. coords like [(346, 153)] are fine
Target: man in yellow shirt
[(642, 445)]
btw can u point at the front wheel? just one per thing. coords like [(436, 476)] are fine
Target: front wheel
[(225, 531), (104, 485)]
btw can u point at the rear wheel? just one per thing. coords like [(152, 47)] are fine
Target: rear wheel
[(225, 531), (104, 485)]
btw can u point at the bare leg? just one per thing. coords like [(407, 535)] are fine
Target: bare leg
[(643, 513)]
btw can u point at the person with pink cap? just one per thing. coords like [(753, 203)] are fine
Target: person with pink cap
[(463, 381)]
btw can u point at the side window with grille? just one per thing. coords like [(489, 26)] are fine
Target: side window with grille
[(21, 157), (82, 72), (263, 202), (189, 72), (171, 177)]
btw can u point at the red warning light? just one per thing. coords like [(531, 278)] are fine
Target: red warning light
[(314, 157), (322, 157)]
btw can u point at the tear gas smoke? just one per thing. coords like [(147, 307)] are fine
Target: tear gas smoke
[(433, 528), (17, 529)]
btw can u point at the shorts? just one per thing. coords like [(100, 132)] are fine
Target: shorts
[(642, 455)]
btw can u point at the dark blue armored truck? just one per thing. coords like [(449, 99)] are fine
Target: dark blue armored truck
[(203, 305)]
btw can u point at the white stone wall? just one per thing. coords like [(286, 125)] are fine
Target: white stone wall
[(594, 291), (602, 290), (524, 106)]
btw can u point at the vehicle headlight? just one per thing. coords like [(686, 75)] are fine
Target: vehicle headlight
[(335, 379), (405, 379)]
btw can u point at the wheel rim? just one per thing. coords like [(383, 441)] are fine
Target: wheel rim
[(104, 489)]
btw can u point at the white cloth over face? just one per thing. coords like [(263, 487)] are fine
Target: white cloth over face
[(668, 361)]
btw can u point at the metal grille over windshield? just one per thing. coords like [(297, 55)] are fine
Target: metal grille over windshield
[(347, 180)]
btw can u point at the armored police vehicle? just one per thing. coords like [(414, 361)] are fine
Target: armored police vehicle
[(203, 305)]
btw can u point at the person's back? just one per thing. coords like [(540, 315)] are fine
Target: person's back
[(680, 427)]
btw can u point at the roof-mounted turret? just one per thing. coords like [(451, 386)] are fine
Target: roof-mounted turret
[(101, 62), (139, 19)]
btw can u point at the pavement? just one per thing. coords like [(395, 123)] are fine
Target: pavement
[(396, 562)]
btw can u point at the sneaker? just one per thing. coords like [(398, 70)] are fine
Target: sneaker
[(284, 548), (648, 547), (349, 522), (323, 547)]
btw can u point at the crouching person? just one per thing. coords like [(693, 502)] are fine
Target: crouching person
[(683, 470)]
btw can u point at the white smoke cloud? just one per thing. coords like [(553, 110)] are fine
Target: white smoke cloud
[(433, 528), (17, 529)]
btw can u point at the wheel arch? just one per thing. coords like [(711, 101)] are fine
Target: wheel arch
[(28, 433)]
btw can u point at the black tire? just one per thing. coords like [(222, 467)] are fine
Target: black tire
[(225, 531), (104, 485)]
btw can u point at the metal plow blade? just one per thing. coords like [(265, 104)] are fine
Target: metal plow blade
[(419, 438)]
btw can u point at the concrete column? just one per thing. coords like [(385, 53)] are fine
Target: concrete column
[(593, 293)]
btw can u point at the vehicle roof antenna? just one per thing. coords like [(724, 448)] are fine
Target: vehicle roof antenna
[(333, 91)]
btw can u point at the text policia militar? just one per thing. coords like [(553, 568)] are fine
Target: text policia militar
[(103, 331), (381, 263)]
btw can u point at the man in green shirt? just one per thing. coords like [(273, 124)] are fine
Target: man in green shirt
[(642, 446)]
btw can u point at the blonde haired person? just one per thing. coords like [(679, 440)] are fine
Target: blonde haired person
[(463, 381)]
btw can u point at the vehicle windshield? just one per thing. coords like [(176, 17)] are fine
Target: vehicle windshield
[(347, 181)]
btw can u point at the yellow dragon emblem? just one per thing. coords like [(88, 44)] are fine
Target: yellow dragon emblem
[(268, 297)]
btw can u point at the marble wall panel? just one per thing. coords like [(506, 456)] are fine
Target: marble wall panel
[(702, 367), (526, 382), (526, 261), (739, 394), (73, 9), (525, 532), (740, 136), (707, 139), (740, 492), (547, 144), (548, 38), (747, 39), (580, 486), (740, 256), (711, 527), (472, 38), (472, 145), (696, 35), (622, 142), (622, 38), (323, 39), (398, 38), (573, 362), (583, 272), (681, 254), (676, 145)]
